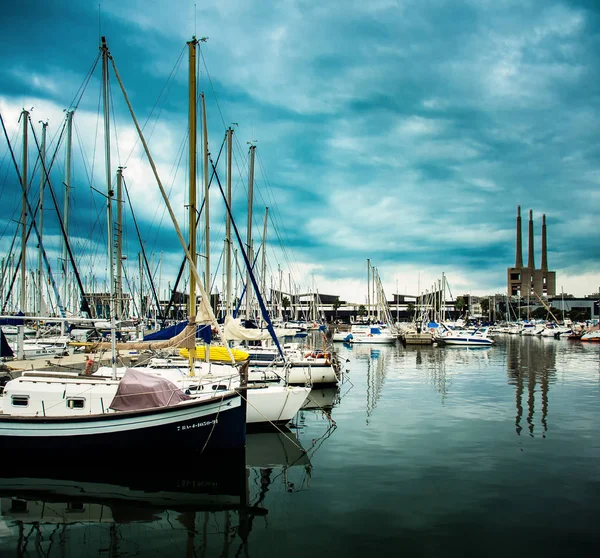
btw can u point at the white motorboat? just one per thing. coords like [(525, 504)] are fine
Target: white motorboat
[(369, 334), (477, 338)]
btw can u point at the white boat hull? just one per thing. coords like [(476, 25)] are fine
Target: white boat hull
[(275, 404)]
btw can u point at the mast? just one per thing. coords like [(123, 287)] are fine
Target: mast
[(228, 225), (119, 244), (141, 267), (249, 233), (110, 193), (368, 290), (192, 189), (41, 218), (67, 184), (24, 117), (206, 199)]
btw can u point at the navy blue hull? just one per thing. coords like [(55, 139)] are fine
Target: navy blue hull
[(223, 430)]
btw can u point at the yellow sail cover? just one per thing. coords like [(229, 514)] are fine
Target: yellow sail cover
[(216, 354)]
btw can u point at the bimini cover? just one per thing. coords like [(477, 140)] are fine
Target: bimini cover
[(138, 391)]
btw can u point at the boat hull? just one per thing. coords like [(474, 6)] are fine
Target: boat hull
[(274, 404), (467, 342), (203, 425)]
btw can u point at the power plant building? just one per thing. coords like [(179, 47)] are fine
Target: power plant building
[(529, 281)]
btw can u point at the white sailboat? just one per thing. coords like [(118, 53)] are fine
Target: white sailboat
[(265, 403)]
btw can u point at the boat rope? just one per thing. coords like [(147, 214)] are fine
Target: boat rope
[(271, 422), (261, 303), (204, 298), (145, 258)]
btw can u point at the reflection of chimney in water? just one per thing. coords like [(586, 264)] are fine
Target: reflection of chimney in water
[(544, 388), (519, 392), (519, 262), (531, 255), (531, 401)]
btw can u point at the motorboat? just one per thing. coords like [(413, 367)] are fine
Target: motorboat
[(368, 334), (477, 338)]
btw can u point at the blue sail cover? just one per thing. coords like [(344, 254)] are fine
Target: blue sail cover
[(16, 321), (202, 332)]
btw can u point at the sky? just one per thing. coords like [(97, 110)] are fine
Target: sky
[(403, 132)]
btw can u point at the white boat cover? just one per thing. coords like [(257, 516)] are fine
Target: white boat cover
[(235, 331), (138, 391)]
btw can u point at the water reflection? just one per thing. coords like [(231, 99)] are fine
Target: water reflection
[(376, 360), (169, 505), (89, 505), (530, 363), (322, 398)]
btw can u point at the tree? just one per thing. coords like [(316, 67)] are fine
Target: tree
[(336, 305), (285, 302), (579, 314), (410, 308), (485, 306), (362, 311), (459, 304)]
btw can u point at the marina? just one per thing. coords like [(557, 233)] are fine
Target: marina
[(426, 448), (264, 295)]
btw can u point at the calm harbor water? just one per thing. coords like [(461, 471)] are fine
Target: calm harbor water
[(429, 452)]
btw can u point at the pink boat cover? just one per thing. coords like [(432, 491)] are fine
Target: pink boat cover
[(138, 391)]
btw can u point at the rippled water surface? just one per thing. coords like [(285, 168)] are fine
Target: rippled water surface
[(423, 451)]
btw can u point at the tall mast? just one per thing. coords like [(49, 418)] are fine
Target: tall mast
[(141, 266), (25, 118), (249, 233), (67, 184), (368, 290), (192, 187), (206, 199), (228, 225), (119, 244), (110, 193), (41, 218)]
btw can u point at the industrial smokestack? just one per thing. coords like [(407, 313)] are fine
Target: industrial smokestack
[(544, 245), (531, 258), (519, 262)]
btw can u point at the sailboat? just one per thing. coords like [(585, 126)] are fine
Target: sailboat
[(266, 403), (56, 412)]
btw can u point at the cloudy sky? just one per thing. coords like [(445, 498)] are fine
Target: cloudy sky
[(403, 131)]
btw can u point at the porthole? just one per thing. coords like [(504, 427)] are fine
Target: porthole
[(75, 402), (20, 400)]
